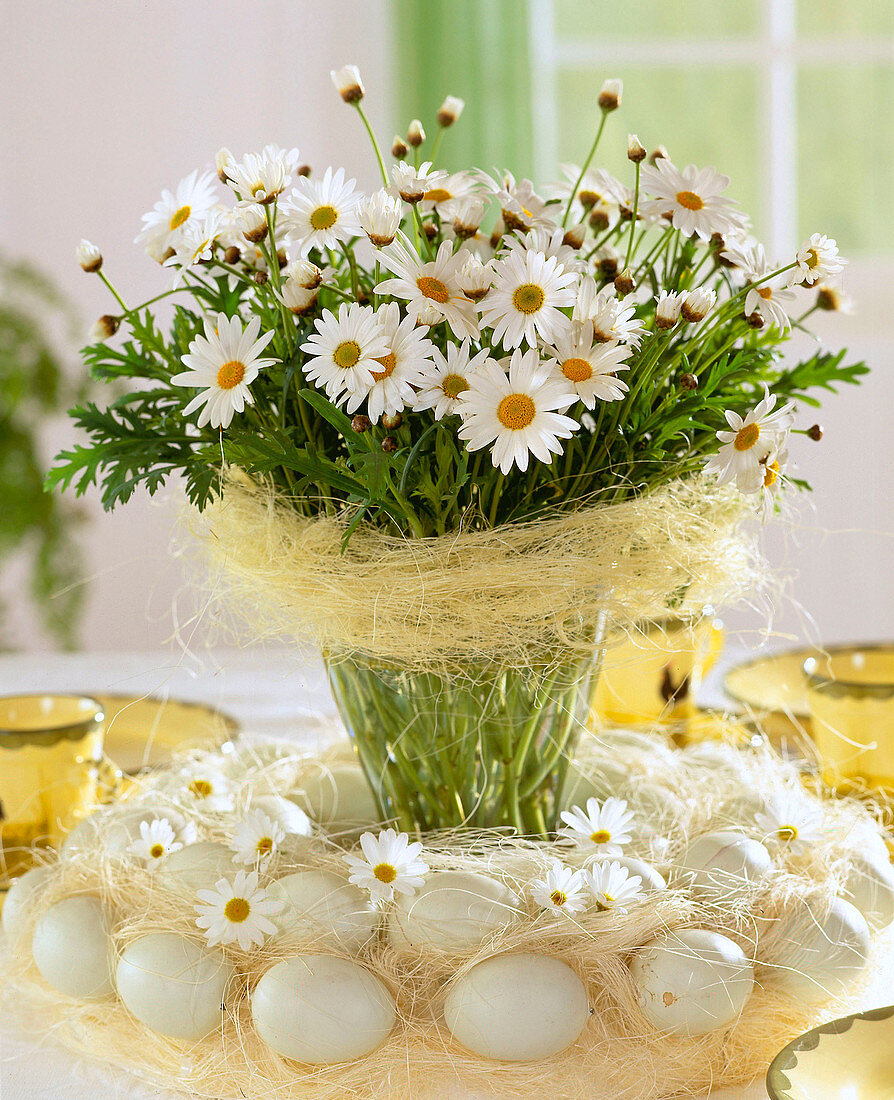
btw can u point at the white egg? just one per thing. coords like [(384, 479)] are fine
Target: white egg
[(652, 881), (174, 985), (322, 904), (114, 831), (615, 739), (869, 885), (20, 898), (196, 866), (285, 813), (692, 981), (592, 778), (725, 864), (338, 795), (453, 911), (72, 947), (321, 1010), (517, 1008), (811, 952)]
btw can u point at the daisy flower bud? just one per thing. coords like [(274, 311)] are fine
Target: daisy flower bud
[(831, 299), (610, 96), (658, 153), (754, 320), (348, 83), (815, 432), (575, 235), (667, 309), (698, 304), (392, 421), (252, 221), (361, 423), (415, 133), (625, 283), (261, 277), (688, 381), (468, 217), (389, 444), (379, 216), (223, 160), (303, 170), (232, 255), (304, 274), (599, 217), (475, 279), (399, 148), (296, 298), (608, 259), (412, 183), (817, 259), (106, 326), (89, 256), (450, 110), (636, 151)]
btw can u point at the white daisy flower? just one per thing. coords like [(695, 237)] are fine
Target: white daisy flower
[(516, 414), (191, 200), (391, 865), (590, 367), (225, 361), (260, 177), (525, 302), (550, 243), (450, 110), (344, 351), (411, 183), (410, 353), (250, 219), (236, 911), (194, 245), (667, 308), (613, 887), (749, 442), (348, 83), (88, 256), (207, 788), (447, 196), (431, 289), (320, 213), (604, 827), (296, 298), (562, 890), (257, 838), (157, 839), (445, 379), (303, 273), (818, 259), (697, 304), (468, 214), (521, 206), (769, 297), (613, 318), (476, 278), (380, 217), (597, 189), (771, 478), (790, 823), (692, 198)]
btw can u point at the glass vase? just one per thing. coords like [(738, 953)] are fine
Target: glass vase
[(483, 747)]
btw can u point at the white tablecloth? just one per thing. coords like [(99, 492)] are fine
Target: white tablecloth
[(271, 692)]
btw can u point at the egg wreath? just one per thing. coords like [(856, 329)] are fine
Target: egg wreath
[(746, 909)]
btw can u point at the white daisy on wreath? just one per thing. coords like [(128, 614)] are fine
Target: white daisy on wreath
[(521, 206), (561, 890), (446, 378), (590, 367), (225, 361), (693, 198), (257, 839), (236, 911), (603, 827), (157, 839), (613, 887), (790, 823), (818, 259), (613, 318), (431, 290), (207, 788), (344, 351), (400, 369), (260, 177), (518, 413), (749, 441), (525, 302), (548, 243), (391, 865), (193, 197), (321, 213)]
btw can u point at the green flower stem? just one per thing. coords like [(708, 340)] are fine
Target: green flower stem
[(372, 138), (115, 293), (586, 165), (437, 145), (633, 219)]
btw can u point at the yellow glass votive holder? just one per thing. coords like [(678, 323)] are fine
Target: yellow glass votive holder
[(850, 692), (50, 754)]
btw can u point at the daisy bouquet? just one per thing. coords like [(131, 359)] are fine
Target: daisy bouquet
[(451, 357)]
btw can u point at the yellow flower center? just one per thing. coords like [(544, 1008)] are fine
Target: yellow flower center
[(433, 288), (765, 292), (230, 374), (347, 354), (384, 872), (601, 836), (525, 210), (265, 845), (437, 194), (812, 257), (689, 200), (324, 217), (157, 851), (787, 832), (528, 298), (237, 910), (453, 385), (558, 898), (771, 474), (747, 437), (389, 362), (201, 788), (577, 370), (588, 198), (516, 411), (604, 902), (180, 216)]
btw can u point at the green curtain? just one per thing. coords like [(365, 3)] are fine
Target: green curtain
[(477, 50)]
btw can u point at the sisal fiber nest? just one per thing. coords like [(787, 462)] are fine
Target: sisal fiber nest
[(517, 593)]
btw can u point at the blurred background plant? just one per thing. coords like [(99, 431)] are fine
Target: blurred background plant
[(37, 327)]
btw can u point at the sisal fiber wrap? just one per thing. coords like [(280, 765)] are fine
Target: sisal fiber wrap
[(518, 593)]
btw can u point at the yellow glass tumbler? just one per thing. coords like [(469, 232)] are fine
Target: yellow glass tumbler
[(50, 755)]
